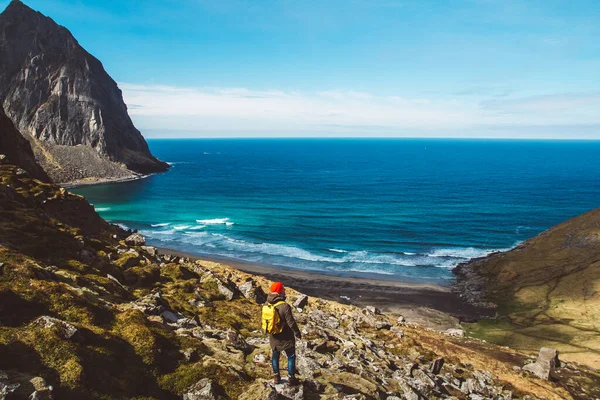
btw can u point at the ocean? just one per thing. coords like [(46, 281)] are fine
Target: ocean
[(397, 209)]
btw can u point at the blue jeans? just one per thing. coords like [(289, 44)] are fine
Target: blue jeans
[(291, 357)]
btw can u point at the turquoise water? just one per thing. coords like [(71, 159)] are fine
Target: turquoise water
[(402, 209)]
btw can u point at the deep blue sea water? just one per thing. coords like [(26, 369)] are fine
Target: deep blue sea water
[(403, 209)]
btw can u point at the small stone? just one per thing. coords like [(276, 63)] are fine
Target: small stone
[(401, 319), (135, 240), (455, 332), (260, 358)]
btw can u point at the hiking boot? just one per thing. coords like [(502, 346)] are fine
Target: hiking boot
[(276, 379), (293, 381)]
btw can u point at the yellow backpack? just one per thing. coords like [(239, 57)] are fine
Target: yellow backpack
[(271, 321)]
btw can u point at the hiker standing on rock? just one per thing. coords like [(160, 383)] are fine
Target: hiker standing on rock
[(278, 321)]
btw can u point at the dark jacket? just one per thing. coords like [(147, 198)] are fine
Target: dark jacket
[(284, 340)]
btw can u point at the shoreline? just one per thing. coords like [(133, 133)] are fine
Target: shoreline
[(103, 181), (427, 304)]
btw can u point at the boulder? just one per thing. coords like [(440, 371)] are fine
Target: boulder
[(225, 291), (150, 250), (42, 390), (252, 291), (151, 304), (301, 301), (171, 317), (65, 330), (545, 364), (373, 310), (135, 240), (201, 390)]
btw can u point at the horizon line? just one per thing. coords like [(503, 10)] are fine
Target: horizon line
[(376, 138)]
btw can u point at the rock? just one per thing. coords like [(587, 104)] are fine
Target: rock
[(399, 332), (151, 304), (455, 332), (202, 390), (42, 390), (437, 365), (408, 393), (260, 358), (301, 301), (252, 291), (324, 319), (545, 364), (373, 310), (236, 341), (190, 355), (135, 240), (5, 387), (200, 302), (225, 291), (65, 330), (305, 363), (171, 317), (150, 250), (401, 320)]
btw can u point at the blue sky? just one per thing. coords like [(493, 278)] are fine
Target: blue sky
[(221, 68)]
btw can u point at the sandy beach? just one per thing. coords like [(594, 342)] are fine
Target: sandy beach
[(429, 305)]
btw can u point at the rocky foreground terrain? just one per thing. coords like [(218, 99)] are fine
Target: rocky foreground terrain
[(63, 101), (545, 292), (89, 311)]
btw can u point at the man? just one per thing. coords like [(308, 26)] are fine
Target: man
[(286, 340)]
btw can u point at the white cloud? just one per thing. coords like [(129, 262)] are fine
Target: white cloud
[(339, 113)]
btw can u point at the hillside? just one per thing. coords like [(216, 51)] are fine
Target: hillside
[(61, 99), (546, 290), (96, 316)]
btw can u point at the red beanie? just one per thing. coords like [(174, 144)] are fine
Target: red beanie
[(276, 287)]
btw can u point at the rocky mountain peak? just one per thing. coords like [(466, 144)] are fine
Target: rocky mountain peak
[(59, 96)]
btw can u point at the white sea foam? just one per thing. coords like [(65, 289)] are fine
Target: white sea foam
[(215, 221), (370, 271), (122, 226), (160, 225), (102, 209), (341, 260), (460, 252), (151, 233)]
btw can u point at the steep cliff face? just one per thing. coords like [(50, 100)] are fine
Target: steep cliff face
[(60, 95), (16, 148), (547, 290)]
